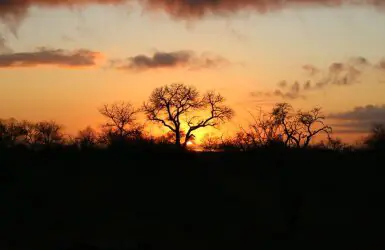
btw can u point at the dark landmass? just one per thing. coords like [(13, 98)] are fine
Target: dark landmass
[(154, 198)]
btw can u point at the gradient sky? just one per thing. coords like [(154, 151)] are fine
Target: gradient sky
[(262, 50)]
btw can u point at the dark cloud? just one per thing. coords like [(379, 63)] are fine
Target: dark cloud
[(12, 11), (200, 8), (368, 112), (348, 129), (169, 60), (46, 56), (360, 119)]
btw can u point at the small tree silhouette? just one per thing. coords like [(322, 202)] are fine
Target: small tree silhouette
[(87, 137), (176, 105), (47, 133), (376, 138), (284, 116), (299, 128), (263, 131), (312, 123), (11, 132), (121, 122), (281, 127)]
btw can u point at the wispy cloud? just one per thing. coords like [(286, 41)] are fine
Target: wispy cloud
[(344, 73), (47, 56), (381, 64), (310, 69), (338, 73), (286, 91), (66, 38), (4, 48), (184, 58)]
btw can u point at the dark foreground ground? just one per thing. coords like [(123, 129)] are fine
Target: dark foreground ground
[(128, 199)]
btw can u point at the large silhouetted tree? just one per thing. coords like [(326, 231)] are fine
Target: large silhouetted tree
[(176, 106)]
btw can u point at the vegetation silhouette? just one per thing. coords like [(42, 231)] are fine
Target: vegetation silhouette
[(168, 105), (270, 185)]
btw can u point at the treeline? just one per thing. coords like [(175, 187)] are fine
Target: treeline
[(266, 187), (183, 110)]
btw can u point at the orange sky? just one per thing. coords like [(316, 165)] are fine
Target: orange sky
[(256, 51)]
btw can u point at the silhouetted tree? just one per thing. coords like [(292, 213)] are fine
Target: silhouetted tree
[(12, 132), (47, 133), (169, 137), (176, 105), (299, 128), (238, 142), (376, 138), (241, 140), (312, 123), (218, 114), (29, 129), (210, 143), (336, 144), (281, 127), (87, 137), (121, 117), (121, 122), (264, 130), (286, 119)]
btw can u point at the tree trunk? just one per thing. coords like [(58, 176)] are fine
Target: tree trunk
[(307, 142), (187, 138), (177, 138)]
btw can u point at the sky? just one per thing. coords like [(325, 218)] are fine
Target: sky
[(62, 60)]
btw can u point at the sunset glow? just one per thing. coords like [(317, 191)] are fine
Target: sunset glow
[(192, 124), (62, 60)]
